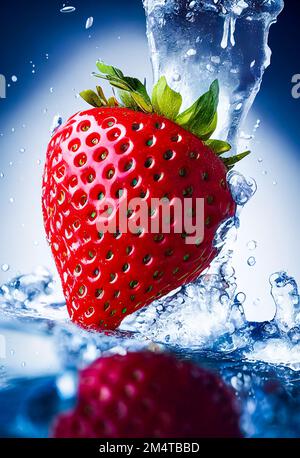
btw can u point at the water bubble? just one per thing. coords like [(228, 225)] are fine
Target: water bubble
[(274, 183), (210, 68), (252, 64), (224, 299), (265, 172), (252, 245), (190, 17), (51, 90), (13, 129), (5, 267), (14, 79), (23, 364), (12, 352), (67, 9), (38, 162), (239, 106), (191, 52), (251, 261), (240, 297), (215, 59), (1, 175), (257, 302), (260, 160), (241, 189), (192, 4), (89, 22), (22, 150), (176, 76), (11, 200)]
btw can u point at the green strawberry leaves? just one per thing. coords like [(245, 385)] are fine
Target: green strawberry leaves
[(91, 98), (200, 119), (165, 101), (218, 146), (137, 94)]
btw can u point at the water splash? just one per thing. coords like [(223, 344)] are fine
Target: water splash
[(215, 32)]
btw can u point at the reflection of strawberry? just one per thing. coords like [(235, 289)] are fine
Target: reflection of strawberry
[(149, 395), (143, 149)]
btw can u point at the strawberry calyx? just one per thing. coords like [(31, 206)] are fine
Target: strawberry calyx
[(200, 118)]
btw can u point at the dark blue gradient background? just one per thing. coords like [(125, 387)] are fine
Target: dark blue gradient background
[(30, 29)]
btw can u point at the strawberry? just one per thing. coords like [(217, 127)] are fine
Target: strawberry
[(114, 153), (149, 395)]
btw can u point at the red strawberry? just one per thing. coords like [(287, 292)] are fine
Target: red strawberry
[(105, 155), (149, 395)]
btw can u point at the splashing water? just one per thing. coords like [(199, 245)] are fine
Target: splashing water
[(213, 39)]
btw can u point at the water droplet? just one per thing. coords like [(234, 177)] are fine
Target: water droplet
[(5, 267), (239, 106), (265, 172), (252, 245), (13, 129), (22, 150), (274, 183), (252, 64), (38, 162), (256, 302), (245, 136), (191, 52), (56, 123), (67, 9), (1, 175), (51, 90), (11, 200), (23, 364), (89, 22), (12, 352), (14, 79), (251, 261), (260, 160)]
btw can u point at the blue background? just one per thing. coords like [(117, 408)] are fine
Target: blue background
[(30, 30)]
